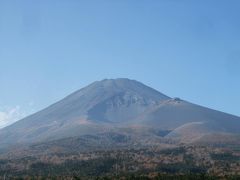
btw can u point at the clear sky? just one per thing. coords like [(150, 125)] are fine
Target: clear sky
[(183, 48)]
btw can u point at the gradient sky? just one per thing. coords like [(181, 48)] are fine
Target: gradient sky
[(183, 48)]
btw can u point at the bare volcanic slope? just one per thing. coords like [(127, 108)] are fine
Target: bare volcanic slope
[(95, 108), (108, 105), (188, 121)]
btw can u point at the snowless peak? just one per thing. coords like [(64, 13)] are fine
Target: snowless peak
[(112, 103)]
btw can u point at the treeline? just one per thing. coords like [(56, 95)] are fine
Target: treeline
[(174, 163), (126, 177)]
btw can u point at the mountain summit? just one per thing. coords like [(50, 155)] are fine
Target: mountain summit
[(112, 103)]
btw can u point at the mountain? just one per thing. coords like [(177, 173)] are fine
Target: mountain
[(94, 108), (119, 105)]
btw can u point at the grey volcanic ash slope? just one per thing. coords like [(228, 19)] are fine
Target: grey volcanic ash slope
[(94, 108), (109, 104)]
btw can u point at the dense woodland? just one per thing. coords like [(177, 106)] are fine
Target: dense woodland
[(185, 162)]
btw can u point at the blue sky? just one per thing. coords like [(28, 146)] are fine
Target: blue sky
[(183, 48)]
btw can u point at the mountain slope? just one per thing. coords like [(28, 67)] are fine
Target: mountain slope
[(174, 113), (107, 105), (89, 110)]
